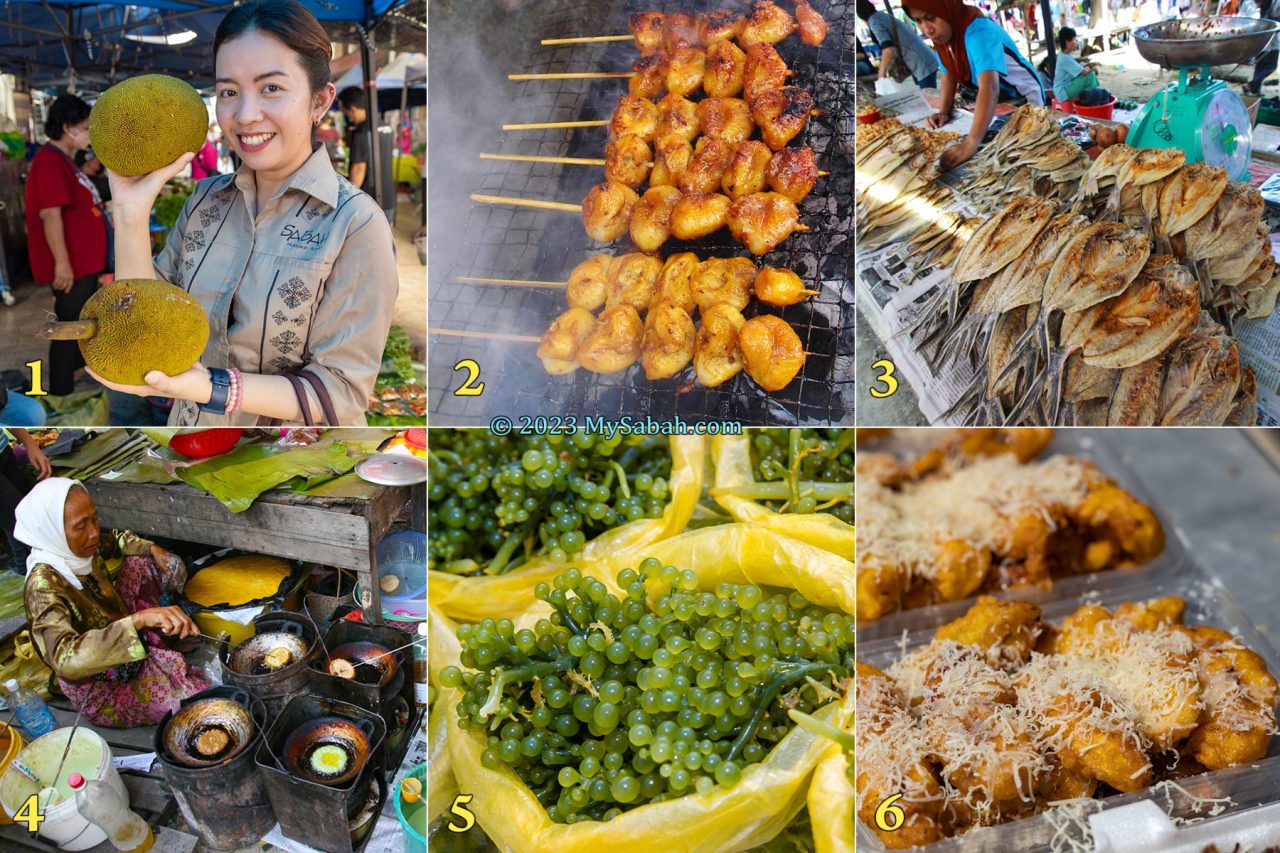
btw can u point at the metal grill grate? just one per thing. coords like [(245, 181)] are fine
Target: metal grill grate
[(516, 243)]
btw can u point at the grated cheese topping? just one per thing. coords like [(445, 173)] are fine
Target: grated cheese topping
[(979, 505)]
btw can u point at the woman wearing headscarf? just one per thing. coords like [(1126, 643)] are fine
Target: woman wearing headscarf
[(977, 56), (103, 640)]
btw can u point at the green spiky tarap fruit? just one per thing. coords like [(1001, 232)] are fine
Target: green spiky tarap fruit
[(143, 325), (145, 123)]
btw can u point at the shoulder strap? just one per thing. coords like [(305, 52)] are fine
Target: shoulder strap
[(322, 394), (300, 391)]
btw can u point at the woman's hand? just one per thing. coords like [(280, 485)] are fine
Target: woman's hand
[(170, 621), (938, 119), (192, 384), (958, 153), (134, 197)]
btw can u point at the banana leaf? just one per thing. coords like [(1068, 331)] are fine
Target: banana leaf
[(83, 408), (237, 478), (94, 450)]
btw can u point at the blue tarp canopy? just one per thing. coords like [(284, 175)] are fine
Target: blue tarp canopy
[(42, 40)]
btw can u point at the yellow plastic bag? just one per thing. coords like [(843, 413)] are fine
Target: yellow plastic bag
[(470, 599), (441, 786), (745, 553), (732, 458), (831, 803), (769, 794), (762, 804)]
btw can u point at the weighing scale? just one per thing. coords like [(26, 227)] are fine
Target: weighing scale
[(1203, 117)]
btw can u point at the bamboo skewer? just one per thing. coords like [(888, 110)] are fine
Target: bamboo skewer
[(587, 39), (551, 125), (536, 158), (527, 202), (574, 75), (496, 336), (510, 282)]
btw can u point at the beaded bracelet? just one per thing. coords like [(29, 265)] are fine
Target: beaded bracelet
[(237, 392)]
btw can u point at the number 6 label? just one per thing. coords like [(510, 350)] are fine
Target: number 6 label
[(889, 815)]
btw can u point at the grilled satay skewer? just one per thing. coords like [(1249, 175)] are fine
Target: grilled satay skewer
[(766, 23)]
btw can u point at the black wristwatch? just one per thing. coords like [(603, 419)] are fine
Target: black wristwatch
[(217, 404)]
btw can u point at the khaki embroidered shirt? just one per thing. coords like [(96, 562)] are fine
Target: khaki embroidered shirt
[(311, 281), (82, 632)]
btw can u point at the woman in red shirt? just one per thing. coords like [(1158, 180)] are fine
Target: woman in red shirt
[(66, 233)]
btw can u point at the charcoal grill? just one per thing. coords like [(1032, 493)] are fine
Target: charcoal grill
[(491, 241)]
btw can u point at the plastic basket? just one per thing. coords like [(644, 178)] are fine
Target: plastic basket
[(404, 556)]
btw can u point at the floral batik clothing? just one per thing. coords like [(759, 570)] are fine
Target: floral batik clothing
[(309, 281), (116, 675)]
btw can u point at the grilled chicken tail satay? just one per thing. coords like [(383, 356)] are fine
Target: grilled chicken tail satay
[(606, 211), (675, 282), (627, 160), (613, 344), (763, 71), (699, 214), (677, 116), (671, 156), (650, 78), (771, 351), (634, 116), (685, 69), (711, 159), (722, 25), (723, 281), (725, 69), (651, 221), (781, 114), (746, 174), (717, 357), (767, 23), (813, 28), (763, 220), (632, 278), (589, 283), (646, 27), (562, 340), (668, 341), (792, 172), (725, 118), (775, 286), (680, 29)]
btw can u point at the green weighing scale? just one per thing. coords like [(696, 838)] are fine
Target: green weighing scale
[(1203, 117)]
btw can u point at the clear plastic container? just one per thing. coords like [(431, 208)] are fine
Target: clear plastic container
[(1088, 444), (1249, 785)]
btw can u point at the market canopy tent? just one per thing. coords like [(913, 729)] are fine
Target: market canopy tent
[(404, 81), (44, 40)]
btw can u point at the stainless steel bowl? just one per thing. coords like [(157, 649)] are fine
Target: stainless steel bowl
[(1217, 40)]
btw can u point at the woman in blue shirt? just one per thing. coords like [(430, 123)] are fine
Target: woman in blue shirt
[(978, 56)]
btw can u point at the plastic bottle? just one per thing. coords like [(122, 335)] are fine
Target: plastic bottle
[(33, 714), (98, 803), (421, 676)]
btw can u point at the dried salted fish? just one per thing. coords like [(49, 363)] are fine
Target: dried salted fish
[(1087, 382), (1244, 408), (1239, 208), (1136, 401), (1202, 378), (1189, 195), (1002, 239), (1157, 309), (1106, 169), (1090, 413), (1261, 302), (1150, 165), (1097, 263)]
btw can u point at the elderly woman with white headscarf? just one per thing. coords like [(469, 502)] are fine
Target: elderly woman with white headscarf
[(102, 639)]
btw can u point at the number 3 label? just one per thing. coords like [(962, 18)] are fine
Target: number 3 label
[(886, 377)]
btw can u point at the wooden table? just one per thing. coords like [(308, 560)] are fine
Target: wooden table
[(341, 532)]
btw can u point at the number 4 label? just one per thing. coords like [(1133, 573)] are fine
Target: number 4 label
[(30, 814)]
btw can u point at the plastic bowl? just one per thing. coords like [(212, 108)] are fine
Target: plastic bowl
[(404, 556), (415, 839)]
